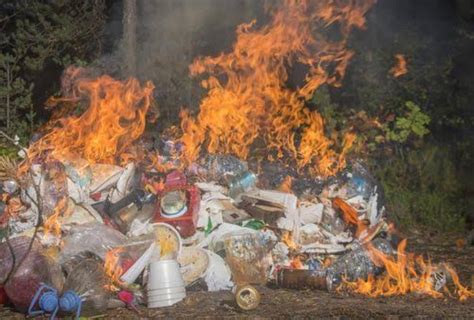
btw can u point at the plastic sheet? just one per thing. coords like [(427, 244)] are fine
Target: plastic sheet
[(96, 238)]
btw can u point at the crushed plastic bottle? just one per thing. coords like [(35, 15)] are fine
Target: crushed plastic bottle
[(356, 264), (85, 291)]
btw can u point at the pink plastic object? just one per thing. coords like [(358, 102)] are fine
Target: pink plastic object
[(186, 223)]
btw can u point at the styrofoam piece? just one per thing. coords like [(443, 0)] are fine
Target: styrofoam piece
[(104, 176), (134, 271), (310, 212)]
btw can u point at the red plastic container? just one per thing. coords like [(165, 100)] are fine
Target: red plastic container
[(186, 223)]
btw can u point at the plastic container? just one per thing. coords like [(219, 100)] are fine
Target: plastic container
[(246, 255), (165, 285), (84, 291)]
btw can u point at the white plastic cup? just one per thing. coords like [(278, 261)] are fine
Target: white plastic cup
[(167, 297), (161, 304), (164, 274), (165, 285), (166, 291)]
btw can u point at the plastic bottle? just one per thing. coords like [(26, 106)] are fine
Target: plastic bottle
[(85, 291)]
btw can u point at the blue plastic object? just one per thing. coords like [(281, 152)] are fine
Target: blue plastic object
[(71, 302), (46, 298)]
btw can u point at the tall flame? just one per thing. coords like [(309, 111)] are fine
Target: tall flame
[(112, 267), (52, 225), (248, 97), (405, 273), (114, 118)]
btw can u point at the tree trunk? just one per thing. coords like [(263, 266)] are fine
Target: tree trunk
[(130, 36)]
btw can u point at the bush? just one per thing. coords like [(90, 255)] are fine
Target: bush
[(422, 189)]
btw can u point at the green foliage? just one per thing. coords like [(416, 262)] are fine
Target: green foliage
[(414, 122), (38, 35), (422, 188)]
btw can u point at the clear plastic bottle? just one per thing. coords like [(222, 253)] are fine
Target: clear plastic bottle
[(85, 283)]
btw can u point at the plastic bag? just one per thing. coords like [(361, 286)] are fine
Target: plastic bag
[(94, 237), (35, 268)]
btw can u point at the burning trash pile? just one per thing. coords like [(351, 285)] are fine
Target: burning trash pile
[(102, 214)]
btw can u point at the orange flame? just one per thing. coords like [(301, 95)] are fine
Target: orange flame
[(296, 263), (405, 273), (400, 67), (51, 225), (287, 239), (115, 117), (248, 98), (14, 207), (286, 185), (112, 267)]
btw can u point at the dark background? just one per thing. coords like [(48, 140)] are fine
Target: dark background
[(427, 180)]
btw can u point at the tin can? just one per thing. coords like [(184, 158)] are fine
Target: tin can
[(247, 297)]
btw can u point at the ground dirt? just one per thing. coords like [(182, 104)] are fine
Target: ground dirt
[(319, 304)]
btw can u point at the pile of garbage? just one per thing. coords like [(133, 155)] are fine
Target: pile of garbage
[(78, 238)]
